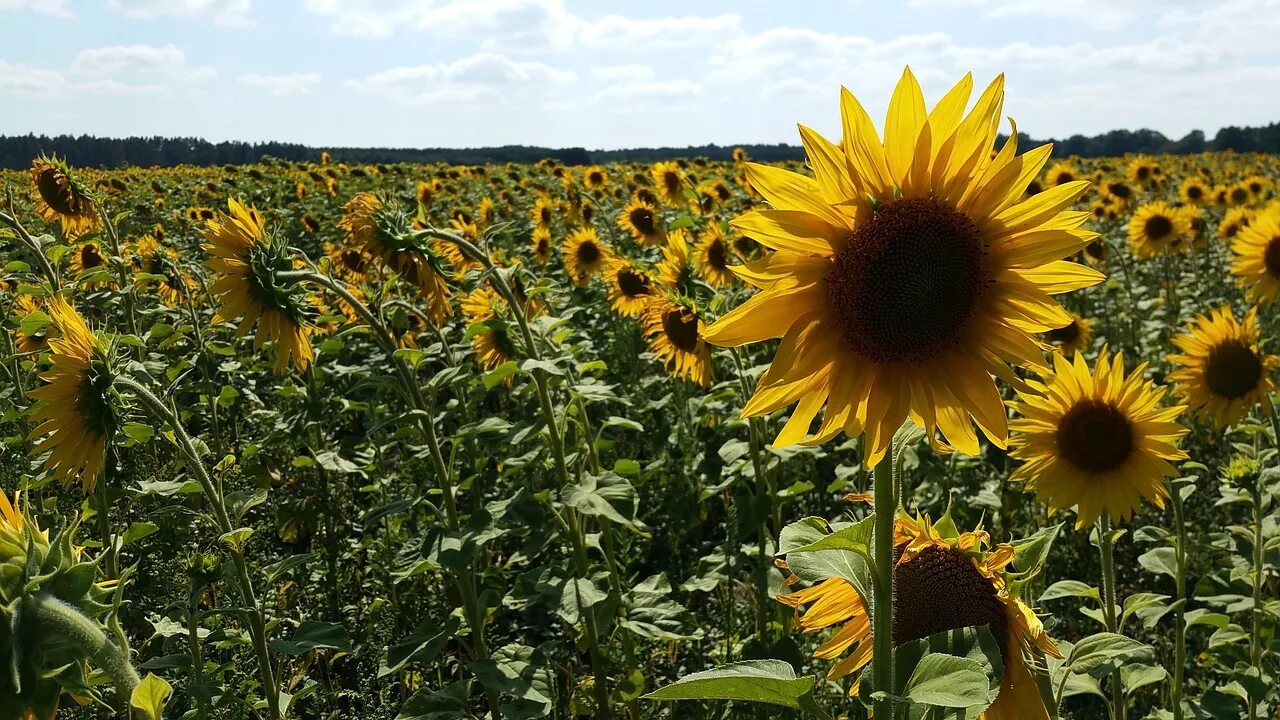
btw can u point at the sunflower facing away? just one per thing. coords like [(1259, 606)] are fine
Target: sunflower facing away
[(245, 261), (492, 345), (906, 274), (942, 581), (1221, 372), (382, 230), (162, 260), (676, 337), (63, 199), (1099, 441), (75, 416), (1256, 257), (1158, 229)]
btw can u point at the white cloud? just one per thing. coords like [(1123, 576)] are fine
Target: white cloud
[(290, 84), (222, 12), (615, 31), (27, 80), (623, 73), (504, 24), (52, 8), (652, 91), (368, 18), (129, 65), (481, 79)]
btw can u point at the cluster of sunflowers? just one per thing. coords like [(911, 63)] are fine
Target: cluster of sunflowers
[(1028, 316)]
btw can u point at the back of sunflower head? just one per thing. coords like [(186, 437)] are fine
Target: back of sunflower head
[(40, 576)]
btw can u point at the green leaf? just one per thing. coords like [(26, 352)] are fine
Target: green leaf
[(948, 681), (494, 377), (427, 640), (1161, 561), (138, 432), (313, 635), (150, 696), (626, 467), (137, 531), (1104, 651), (764, 681), (608, 495), (1069, 588), (237, 538)]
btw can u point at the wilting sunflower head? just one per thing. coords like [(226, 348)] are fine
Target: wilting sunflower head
[(1221, 372), (384, 230), (1256, 256), (491, 339), (246, 260), (629, 287), (944, 579), (63, 199), (74, 412), (906, 273), (1157, 229), (41, 666), (675, 333), (1099, 441)]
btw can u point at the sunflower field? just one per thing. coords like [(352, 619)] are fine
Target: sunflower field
[(929, 426)]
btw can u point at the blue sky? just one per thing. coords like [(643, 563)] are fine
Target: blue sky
[(604, 74)]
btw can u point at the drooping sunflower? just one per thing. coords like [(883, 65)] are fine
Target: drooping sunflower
[(669, 179), (641, 220), (906, 274), (162, 260), (245, 261), (1256, 258), (675, 333), (1072, 337), (1222, 374), (493, 345), (1098, 441), (349, 263), (629, 287), (1156, 229), (75, 415), (943, 580), (382, 230), (585, 254), (714, 253), (61, 198)]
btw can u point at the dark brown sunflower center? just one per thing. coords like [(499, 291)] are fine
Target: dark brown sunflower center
[(906, 284), (1066, 334), (588, 253), (56, 191), (353, 260), (715, 255), (940, 590), (90, 257), (1144, 173), (681, 328), (1255, 187), (596, 178), (1271, 256), (642, 220), (1095, 436), (1095, 249), (544, 216), (1232, 369), (1158, 227), (632, 284), (1239, 195), (1063, 178), (1195, 192), (1119, 190), (544, 244), (671, 182)]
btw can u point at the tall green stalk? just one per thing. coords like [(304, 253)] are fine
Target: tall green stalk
[(1106, 550), (886, 507), (1178, 688)]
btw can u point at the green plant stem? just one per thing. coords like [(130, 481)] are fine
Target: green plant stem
[(34, 246), (111, 566), (65, 621), (1106, 551), (213, 495), (886, 507), (599, 662), (1177, 688), (413, 392), (764, 503), (197, 655), (1256, 647)]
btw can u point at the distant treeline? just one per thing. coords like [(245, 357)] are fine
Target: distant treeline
[(89, 151)]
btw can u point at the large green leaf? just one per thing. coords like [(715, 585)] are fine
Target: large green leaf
[(763, 681)]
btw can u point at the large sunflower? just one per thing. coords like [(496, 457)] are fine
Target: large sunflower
[(1099, 441), (76, 419), (1158, 228), (63, 199), (584, 255), (382, 231), (676, 338), (1256, 257), (906, 274), (245, 260), (943, 580), (1222, 373)]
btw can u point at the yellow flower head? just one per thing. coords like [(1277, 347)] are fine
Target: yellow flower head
[(1221, 372)]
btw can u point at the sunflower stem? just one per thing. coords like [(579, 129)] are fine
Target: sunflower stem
[(1106, 551), (882, 661), (1177, 688), (65, 621), (254, 615)]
